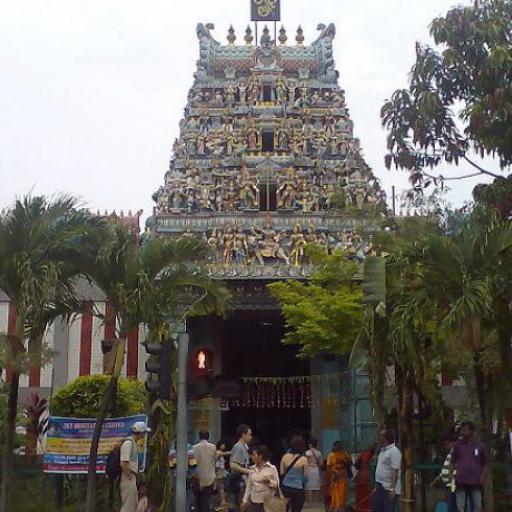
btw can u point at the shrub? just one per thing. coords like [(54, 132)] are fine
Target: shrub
[(81, 398)]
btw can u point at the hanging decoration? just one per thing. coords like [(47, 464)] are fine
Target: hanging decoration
[(274, 393)]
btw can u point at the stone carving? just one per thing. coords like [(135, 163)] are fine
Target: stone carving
[(264, 246), (267, 135)]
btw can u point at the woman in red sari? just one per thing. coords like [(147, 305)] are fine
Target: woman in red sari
[(364, 488)]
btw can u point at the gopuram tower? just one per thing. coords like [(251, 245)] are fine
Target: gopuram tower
[(265, 165)]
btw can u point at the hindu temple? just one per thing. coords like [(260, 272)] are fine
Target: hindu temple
[(265, 165)]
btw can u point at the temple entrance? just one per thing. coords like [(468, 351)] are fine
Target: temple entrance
[(274, 400)]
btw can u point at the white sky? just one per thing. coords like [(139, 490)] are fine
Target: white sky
[(91, 91)]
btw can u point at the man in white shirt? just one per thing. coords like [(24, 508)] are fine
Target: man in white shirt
[(129, 458), (205, 454), (388, 473)]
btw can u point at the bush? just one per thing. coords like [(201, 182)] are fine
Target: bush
[(81, 398)]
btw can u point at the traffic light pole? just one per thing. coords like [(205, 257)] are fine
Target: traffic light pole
[(181, 426)]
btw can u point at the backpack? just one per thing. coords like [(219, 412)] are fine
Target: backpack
[(113, 465)]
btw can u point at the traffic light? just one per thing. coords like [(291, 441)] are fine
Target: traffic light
[(201, 363), (200, 382), (158, 367)]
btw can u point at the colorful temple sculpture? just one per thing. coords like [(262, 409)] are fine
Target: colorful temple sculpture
[(266, 161), (265, 165)]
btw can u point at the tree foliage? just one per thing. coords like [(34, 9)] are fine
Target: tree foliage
[(36, 235), (81, 398), (325, 314), (460, 94)]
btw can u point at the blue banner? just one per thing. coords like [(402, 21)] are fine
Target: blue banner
[(68, 442)]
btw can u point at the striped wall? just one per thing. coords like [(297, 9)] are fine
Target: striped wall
[(79, 344)]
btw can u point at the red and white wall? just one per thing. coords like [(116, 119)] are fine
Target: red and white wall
[(77, 347)]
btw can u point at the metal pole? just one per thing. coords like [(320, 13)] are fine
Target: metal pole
[(182, 425), (394, 200), (255, 33)]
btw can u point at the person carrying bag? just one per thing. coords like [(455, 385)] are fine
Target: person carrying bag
[(293, 465)]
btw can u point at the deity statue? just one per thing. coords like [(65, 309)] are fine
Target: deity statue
[(287, 194), (191, 146), (206, 198), (162, 201), (200, 144), (231, 197), (240, 246), (281, 90), (269, 244), (252, 138), (179, 148), (310, 235), (192, 124), (359, 196), (218, 98), (229, 244), (320, 144), (242, 91), (304, 200), (190, 199), (230, 94), (299, 102), (215, 244), (296, 146), (249, 193), (253, 91), (196, 98), (176, 198), (220, 198), (323, 242), (281, 138), (298, 246), (253, 246), (230, 142), (316, 99)]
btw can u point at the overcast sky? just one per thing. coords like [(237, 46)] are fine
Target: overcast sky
[(91, 91)]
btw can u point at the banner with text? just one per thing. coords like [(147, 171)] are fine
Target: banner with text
[(68, 442)]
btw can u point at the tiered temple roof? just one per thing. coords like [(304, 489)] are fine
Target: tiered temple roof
[(266, 161)]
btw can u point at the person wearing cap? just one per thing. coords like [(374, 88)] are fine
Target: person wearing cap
[(129, 458)]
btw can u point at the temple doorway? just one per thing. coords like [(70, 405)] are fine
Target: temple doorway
[(275, 388)]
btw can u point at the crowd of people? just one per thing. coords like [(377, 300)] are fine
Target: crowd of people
[(246, 480), (246, 475)]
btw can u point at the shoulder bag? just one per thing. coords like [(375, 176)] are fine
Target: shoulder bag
[(277, 502)]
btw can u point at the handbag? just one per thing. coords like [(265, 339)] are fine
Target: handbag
[(275, 502)]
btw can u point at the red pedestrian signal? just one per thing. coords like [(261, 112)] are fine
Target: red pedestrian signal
[(201, 362)]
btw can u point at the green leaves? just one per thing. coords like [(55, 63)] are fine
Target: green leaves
[(324, 315), (469, 77), (81, 398)]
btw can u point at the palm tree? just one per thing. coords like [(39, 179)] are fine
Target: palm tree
[(145, 283), (469, 276), (395, 333), (34, 235)]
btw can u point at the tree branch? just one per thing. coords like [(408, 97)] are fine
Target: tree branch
[(443, 178), (481, 169)]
